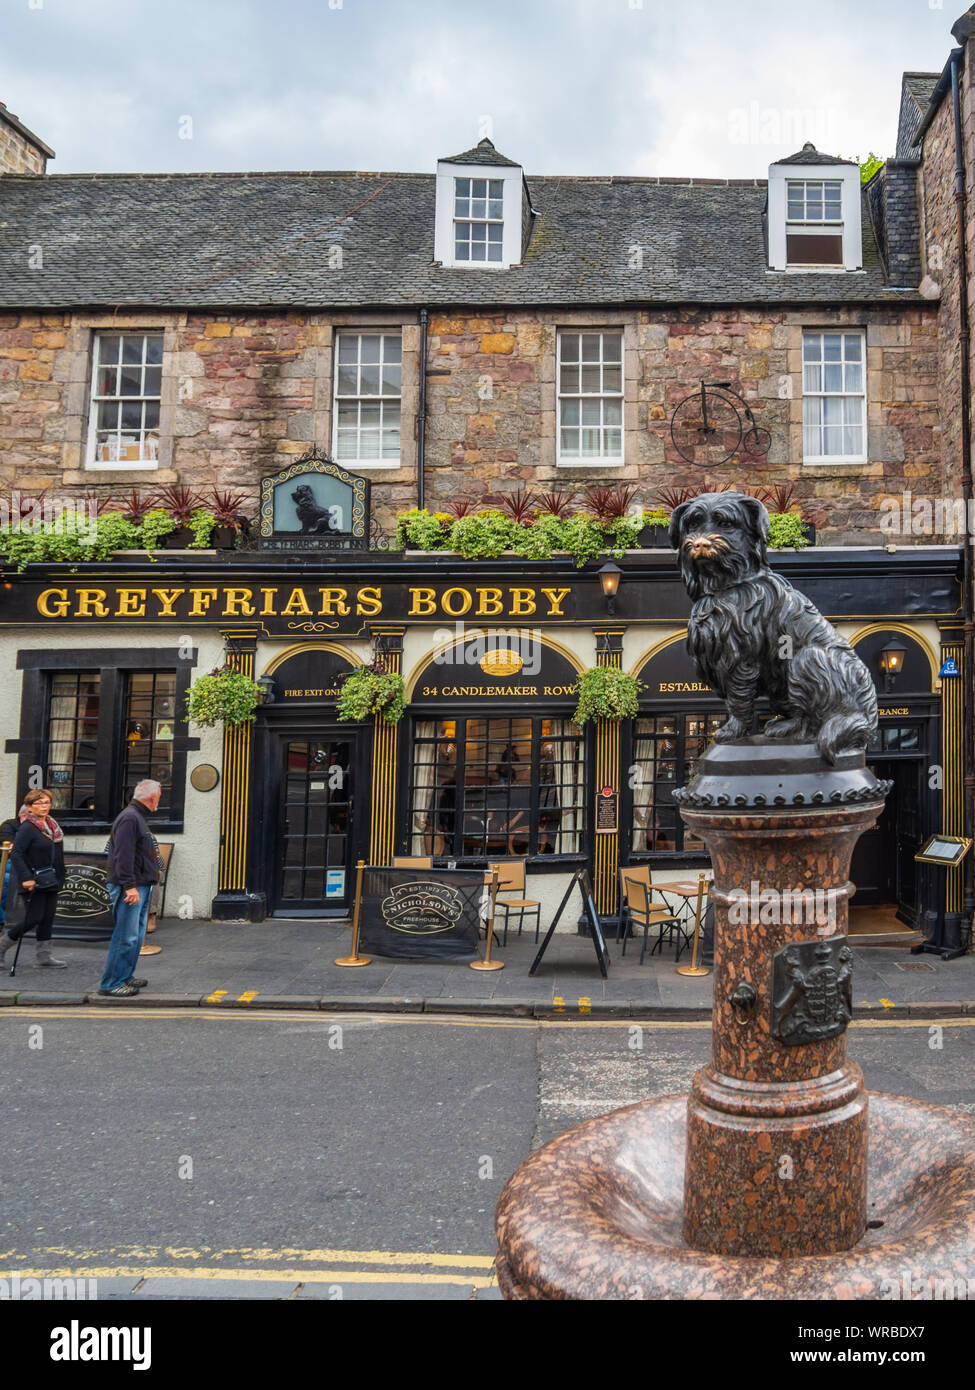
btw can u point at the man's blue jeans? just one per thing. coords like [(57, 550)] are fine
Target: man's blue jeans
[(128, 936)]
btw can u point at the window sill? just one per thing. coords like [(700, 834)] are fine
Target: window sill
[(834, 463), (129, 466), (590, 463), (353, 464)]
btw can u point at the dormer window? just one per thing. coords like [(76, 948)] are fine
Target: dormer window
[(814, 213), (478, 219), (814, 222), (484, 213)]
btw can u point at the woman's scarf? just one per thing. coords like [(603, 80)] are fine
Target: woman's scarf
[(47, 825)]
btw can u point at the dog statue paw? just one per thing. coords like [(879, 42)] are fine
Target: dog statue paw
[(752, 634)]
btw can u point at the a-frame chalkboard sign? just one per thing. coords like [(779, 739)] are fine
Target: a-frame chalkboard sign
[(581, 877)]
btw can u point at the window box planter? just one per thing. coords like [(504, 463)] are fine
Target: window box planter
[(179, 539)]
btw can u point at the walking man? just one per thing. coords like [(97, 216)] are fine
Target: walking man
[(133, 869)]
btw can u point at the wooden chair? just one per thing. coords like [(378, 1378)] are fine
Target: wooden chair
[(412, 862), (640, 872), (512, 879), (642, 913)]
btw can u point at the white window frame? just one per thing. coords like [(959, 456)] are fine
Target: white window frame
[(467, 219), (823, 394), (444, 246), (144, 462), (849, 225), (598, 460), (380, 398)]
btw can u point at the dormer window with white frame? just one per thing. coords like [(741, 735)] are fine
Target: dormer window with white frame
[(481, 197), (478, 219), (814, 213)]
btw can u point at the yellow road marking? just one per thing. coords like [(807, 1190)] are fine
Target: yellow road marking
[(290, 1276), (20, 1013), (247, 996), (217, 994), (134, 1256)]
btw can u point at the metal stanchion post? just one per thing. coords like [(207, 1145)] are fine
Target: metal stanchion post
[(487, 963), (694, 968), (354, 958)]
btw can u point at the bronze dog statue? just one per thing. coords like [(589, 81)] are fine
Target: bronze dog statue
[(752, 634), (315, 520)]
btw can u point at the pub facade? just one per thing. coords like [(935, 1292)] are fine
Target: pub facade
[(419, 341)]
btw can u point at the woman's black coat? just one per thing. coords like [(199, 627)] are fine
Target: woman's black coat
[(33, 851)]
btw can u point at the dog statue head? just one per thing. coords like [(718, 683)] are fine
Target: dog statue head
[(720, 537)]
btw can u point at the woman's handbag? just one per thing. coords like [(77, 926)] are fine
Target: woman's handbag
[(46, 879)]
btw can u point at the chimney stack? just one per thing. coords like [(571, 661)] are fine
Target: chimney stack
[(21, 152)]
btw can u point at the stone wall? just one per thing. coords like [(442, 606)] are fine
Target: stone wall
[(18, 153), (243, 396)]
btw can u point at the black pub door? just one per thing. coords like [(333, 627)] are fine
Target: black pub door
[(883, 867), (317, 776)]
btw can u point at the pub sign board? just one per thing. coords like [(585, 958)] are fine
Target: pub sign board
[(421, 913), (313, 504), (84, 910)]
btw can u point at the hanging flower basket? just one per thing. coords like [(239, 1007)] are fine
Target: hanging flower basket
[(371, 690), (607, 693), (222, 697)]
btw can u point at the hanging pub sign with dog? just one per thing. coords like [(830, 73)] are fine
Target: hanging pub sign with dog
[(314, 504)]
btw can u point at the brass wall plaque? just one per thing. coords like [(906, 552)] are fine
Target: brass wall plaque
[(205, 777)]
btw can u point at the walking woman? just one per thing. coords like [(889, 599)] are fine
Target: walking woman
[(37, 864)]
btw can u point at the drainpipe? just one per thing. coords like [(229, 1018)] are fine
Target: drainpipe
[(421, 415), (968, 590)]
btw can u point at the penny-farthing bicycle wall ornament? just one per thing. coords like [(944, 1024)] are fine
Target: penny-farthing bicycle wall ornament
[(707, 428)]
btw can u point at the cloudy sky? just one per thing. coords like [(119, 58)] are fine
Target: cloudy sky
[(670, 87)]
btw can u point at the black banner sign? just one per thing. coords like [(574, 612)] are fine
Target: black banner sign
[(421, 913)]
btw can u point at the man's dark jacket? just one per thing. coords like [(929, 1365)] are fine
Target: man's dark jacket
[(132, 858)]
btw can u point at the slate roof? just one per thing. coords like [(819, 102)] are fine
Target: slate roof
[(482, 153), (810, 155), (228, 240), (917, 89)]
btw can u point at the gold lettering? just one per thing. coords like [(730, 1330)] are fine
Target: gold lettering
[(465, 602), (369, 602), (489, 603), (297, 603), (269, 596), (202, 598), (63, 603), (131, 603), (334, 601), (423, 603), (555, 599), (167, 597), (522, 602), (237, 603), (91, 603)]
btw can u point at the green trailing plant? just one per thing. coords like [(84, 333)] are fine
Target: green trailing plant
[(69, 538), (542, 540), (607, 693), (625, 531), (224, 696), (155, 524), (484, 536), (202, 523), (785, 530), (371, 690), (419, 529), (654, 518), (583, 537)]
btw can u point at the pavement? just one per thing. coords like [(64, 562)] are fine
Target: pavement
[(282, 964)]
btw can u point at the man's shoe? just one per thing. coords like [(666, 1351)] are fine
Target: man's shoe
[(137, 984), (119, 992)]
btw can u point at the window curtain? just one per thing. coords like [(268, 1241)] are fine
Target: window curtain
[(424, 773), (643, 801), (567, 794), (62, 747)]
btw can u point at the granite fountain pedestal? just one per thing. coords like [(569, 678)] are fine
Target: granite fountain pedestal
[(779, 1177)]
